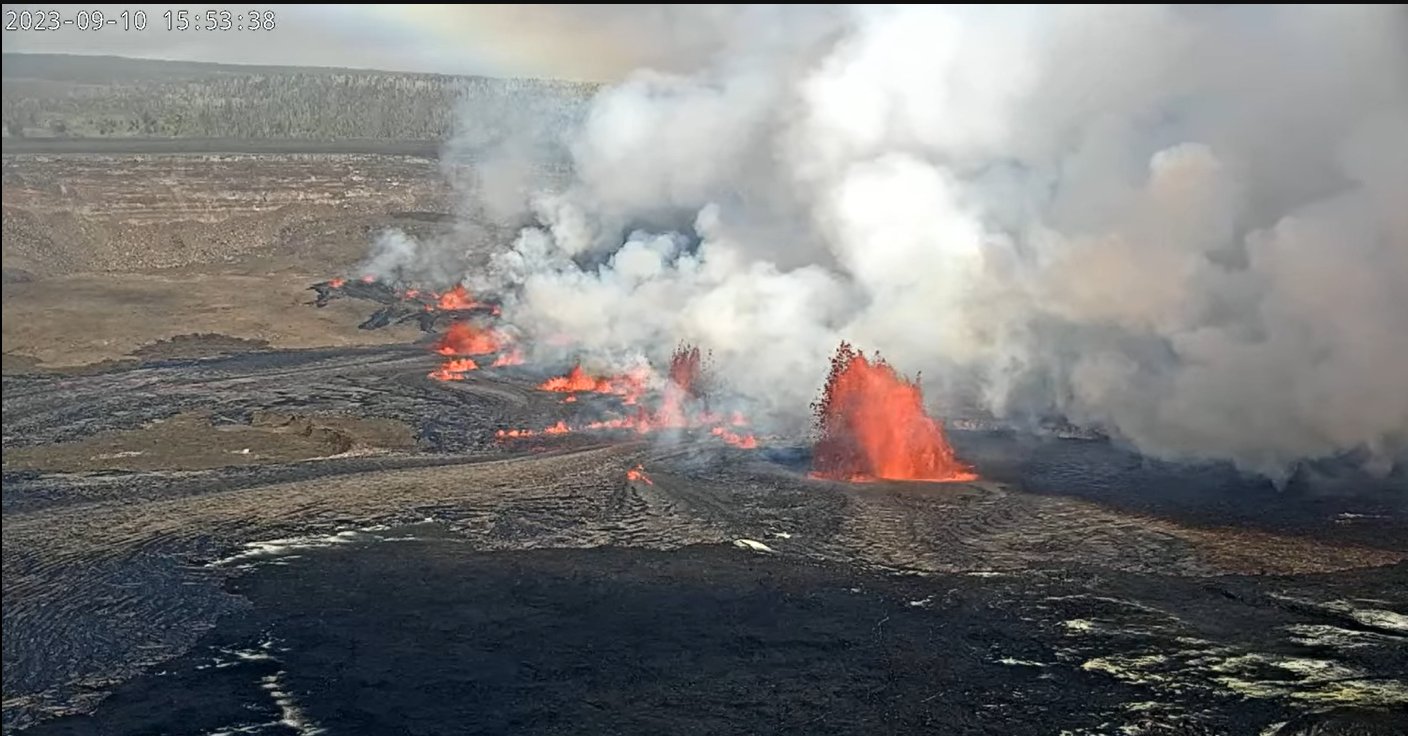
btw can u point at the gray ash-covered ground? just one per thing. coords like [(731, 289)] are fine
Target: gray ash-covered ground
[(467, 584)]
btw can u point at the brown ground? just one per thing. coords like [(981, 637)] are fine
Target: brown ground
[(86, 318), (105, 254), (75, 213)]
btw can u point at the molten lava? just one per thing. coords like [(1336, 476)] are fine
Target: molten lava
[(687, 370), (686, 385), (680, 402), (456, 298), (872, 425), (454, 370), (638, 473), (743, 441), (577, 380), (337, 283), (464, 338)]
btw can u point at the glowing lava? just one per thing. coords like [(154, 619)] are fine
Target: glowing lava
[(454, 369), (687, 371), (742, 441), (337, 283), (872, 425), (577, 380), (456, 298), (681, 404), (464, 338), (638, 473)]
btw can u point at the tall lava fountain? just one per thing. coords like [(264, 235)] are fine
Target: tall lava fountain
[(873, 425)]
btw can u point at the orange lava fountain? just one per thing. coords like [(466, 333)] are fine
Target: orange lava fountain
[(872, 426)]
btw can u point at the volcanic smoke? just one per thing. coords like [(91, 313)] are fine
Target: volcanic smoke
[(873, 426), (1178, 225)]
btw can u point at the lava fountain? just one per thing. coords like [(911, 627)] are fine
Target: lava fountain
[(873, 426)]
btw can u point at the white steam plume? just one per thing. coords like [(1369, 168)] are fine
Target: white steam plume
[(1188, 226)]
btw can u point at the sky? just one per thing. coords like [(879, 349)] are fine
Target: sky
[(579, 42)]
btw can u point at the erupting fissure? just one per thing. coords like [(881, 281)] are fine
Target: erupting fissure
[(681, 404), (628, 386), (402, 302), (464, 339), (457, 298), (872, 425)]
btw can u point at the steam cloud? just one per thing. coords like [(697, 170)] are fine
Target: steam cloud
[(1188, 226)]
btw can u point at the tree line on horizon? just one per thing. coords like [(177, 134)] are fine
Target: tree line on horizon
[(311, 105)]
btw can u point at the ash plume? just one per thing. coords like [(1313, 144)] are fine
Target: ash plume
[(1182, 225)]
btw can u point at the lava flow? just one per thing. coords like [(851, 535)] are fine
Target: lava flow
[(681, 403), (872, 426), (577, 380), (559, 428), (638, 473), (454, 369), (456, 298), (742, 441), (463, 338)]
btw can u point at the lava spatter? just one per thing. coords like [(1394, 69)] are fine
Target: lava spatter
[(872, 425)]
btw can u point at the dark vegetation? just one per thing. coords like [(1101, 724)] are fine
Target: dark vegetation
[(63, 96)]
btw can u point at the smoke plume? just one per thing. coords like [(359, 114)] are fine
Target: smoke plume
[(1186, 226)]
